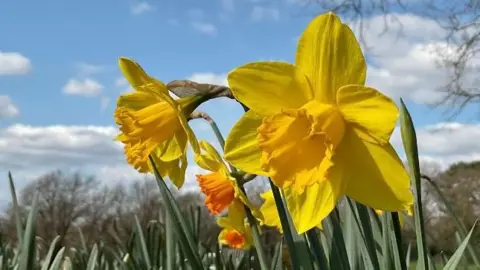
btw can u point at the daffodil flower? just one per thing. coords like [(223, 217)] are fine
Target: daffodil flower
[(152, 122), (236, 232), (316, 129), (220, 188)]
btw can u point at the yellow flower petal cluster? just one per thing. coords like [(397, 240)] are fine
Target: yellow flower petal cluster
[(152, 122), (316, 129)]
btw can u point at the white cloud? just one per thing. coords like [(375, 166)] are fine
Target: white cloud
[(403, 61), (208, 77), (31, 151), (228, 5), (14, 63), (445, 143), (83, 87), (141, 7), (264, 13), (205, 28), (7, 108)]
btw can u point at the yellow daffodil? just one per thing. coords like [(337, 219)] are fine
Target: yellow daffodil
[(152, 122), (236, 233), (316, 130), (401, 215), (220, 188)]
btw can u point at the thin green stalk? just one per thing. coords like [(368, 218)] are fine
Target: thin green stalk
[(287, 233), (319, 253), (251, 219), (397, 229)]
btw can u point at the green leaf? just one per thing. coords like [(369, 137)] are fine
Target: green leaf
[(92, 259), (170, 242), (457, 256), (57, 262), (181, 228), (28, 246), (48, 258), (143, 245), (397, 247), (277, 257), (16, 209), (297, 247), (409, 140)]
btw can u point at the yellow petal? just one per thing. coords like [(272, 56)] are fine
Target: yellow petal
[(374, 174), (137, 100), (269, 211), (330, 56), (138, 78), (371, 112), (235, 218), (210, 159), (173, 148), (315, 203), (241, 146), (268, 87), (174, 170)]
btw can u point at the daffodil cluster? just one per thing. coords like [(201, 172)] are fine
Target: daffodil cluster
[(312, 127)]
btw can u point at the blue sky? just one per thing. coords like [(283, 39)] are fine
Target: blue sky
[(64, 80)]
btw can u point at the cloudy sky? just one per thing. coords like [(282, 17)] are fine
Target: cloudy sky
[(59, 77)]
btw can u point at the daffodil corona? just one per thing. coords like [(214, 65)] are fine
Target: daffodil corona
[(221, 190), (153, 123), (316, 130)]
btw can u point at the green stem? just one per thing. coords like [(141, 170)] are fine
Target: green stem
[(282, 213), (398, 238), (251, 219)]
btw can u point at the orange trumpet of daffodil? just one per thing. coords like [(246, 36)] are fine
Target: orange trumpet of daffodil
[(221, 190), (316, 129), (236, 232)]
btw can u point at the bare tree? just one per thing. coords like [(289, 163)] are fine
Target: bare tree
[(63, 201)]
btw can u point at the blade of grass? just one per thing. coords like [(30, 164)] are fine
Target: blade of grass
[(409, 140), (143, 245), (28, 246), (92, 259), (182, 231), (277, 257), (170, 242), (397, 247), (316, 246), (48, 258), (386, 252), (366, 227), (16, 209), (57, 261)]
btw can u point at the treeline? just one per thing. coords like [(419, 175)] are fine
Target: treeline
[(75, 206)]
